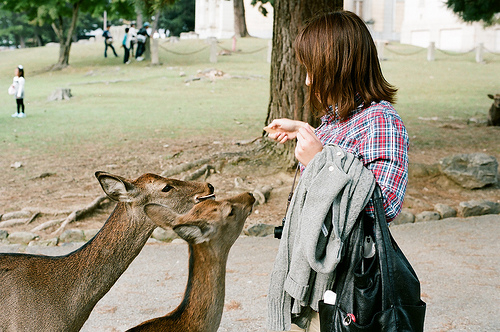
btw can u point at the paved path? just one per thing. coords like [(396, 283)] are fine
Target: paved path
[(457, 261)]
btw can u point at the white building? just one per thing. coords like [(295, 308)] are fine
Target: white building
[(415, 22), (427, 21), (215, 18)]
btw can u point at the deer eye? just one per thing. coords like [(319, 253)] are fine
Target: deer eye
[(232, 212), (167, 188)]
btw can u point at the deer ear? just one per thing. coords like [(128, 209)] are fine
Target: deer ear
[(194, 233), (116, 187), (491, 96), (227, 209), (161, 215)]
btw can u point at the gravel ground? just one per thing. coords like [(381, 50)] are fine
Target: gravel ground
[(456, 260)]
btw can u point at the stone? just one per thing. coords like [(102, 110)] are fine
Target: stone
[(165, 235), (427, 216), (45, 243), (90, 233), (478, 208), (445, 211), (72, 235), (3, 234), (471, 171), (405, 217), (22, 237), (259, 230)]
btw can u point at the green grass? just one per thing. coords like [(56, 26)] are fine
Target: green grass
[(115, 103)]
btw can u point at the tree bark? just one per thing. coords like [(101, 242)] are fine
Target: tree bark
[(288, 93), (155, 59), (65, 40), (240, 24)]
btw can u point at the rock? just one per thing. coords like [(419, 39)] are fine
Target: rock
[(478, 208), (72, 235), (259, 230), (45, 243), (90, 233), (165, 235), (21, 237), (405, 217), (16, 164), (3, 234), (178, 241), (427, 216), (16, 215), (471, 171), (445, 211), (422, 170)]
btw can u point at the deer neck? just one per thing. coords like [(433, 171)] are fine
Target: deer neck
[(203, 301), (102, 260)]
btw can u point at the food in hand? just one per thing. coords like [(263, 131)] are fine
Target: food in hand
[(270, 130)]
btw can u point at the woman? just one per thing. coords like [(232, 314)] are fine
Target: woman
[(347, 89)]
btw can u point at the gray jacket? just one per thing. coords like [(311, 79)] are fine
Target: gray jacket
[(334, 181)]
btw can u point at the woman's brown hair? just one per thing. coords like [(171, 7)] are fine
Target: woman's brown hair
[(341, 60)]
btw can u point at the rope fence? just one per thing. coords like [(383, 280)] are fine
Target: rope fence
[(214, 46), (480, 50), (381, 48)]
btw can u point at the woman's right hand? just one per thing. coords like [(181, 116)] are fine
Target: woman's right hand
[(286, 129)]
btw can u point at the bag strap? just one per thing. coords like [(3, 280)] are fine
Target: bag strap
[(384, 244)]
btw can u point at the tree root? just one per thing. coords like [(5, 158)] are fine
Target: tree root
[(203, 161), (78, 214), (73, 216)]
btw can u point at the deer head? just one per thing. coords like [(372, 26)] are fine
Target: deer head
[(179, 196), (214, 222)]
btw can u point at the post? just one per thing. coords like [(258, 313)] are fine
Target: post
[(105, 21), (155, 60), (234, 43), (269, 50), (380, 49), (479, 53), (213, 50), (431, 51)]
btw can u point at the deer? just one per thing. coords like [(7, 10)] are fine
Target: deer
[(210, 228), (494, 112), (57, 293)]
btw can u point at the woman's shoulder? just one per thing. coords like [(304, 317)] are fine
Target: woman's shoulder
[(381, 111)]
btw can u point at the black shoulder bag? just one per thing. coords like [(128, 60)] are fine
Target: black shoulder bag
[(380, 293)]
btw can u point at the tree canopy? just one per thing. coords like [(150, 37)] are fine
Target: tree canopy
[(476, 10)]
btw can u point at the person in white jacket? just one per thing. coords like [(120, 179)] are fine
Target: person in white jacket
[(18, 83)]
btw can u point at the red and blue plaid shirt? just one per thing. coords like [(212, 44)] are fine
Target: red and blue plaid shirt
[(378, 137)]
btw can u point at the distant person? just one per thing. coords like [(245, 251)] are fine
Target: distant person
[(108, 42), (17, 88), (132, 32), (126, 46), (142, 36)]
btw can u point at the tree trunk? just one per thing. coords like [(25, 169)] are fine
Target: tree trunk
[(65, 40), (155, 59), (240, 24), (288, 93)]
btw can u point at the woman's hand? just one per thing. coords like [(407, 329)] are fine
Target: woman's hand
[(308, 144), (282, 130)]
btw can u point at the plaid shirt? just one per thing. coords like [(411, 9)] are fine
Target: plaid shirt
[(378, 137)]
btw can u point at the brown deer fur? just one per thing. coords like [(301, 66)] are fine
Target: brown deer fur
[(43, 293), (494, 112), (210, 228)]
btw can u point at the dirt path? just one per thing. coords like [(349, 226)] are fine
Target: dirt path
[(455, 259)]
